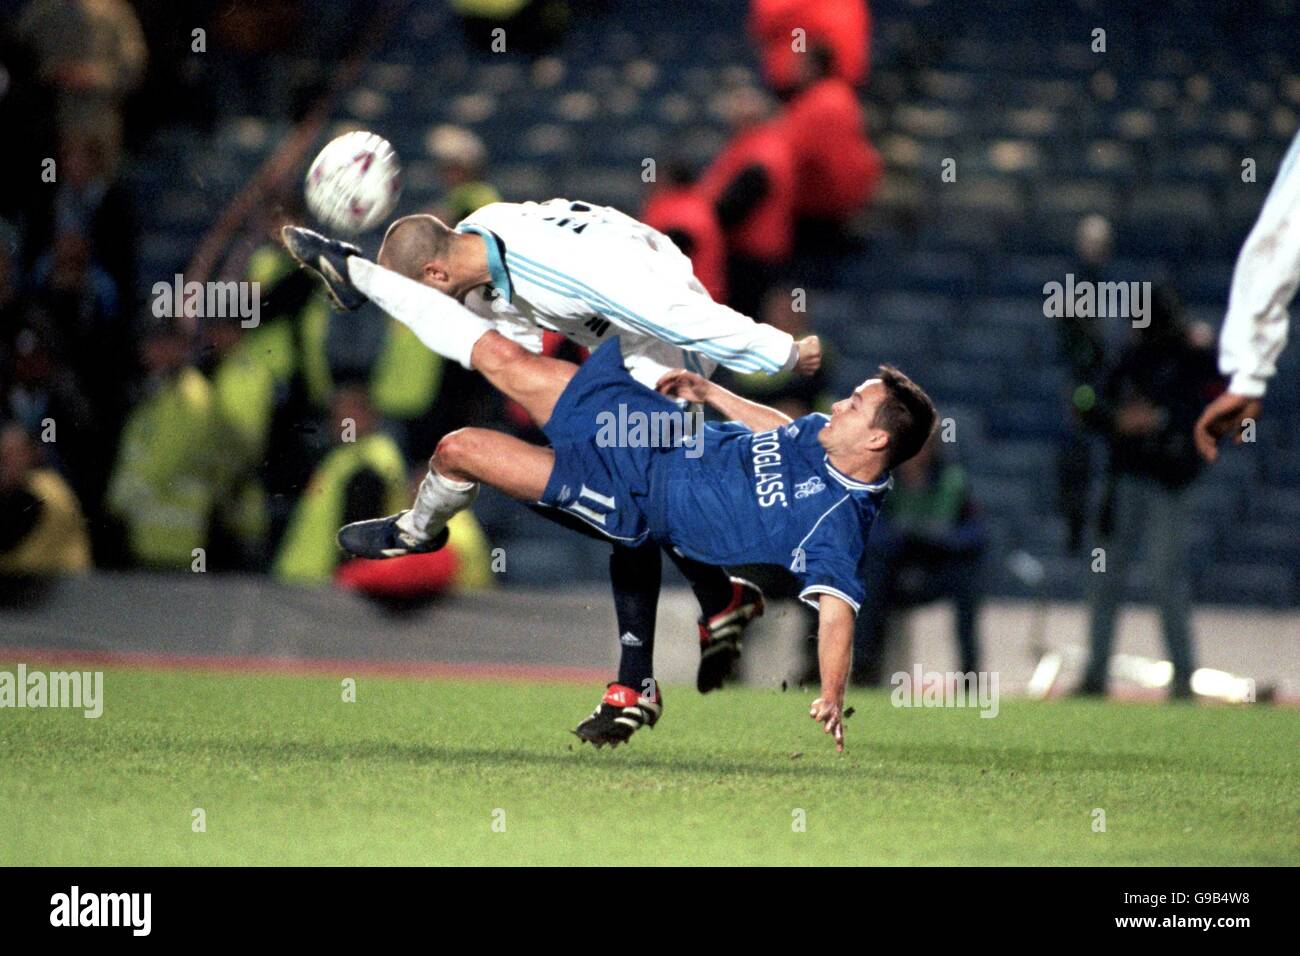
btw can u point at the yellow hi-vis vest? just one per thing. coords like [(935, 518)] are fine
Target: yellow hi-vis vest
[(309, 552), (473, 557), (245, 383), (490, 9), (165, 479), (404, 381), (406, 376), (58, 544)]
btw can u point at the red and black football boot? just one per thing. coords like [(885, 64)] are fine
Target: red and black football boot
[(720, 635), (622, 712)]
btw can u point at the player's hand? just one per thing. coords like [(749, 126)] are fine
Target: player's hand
[(1225, 414), (810, 355), (680, 383), (830, 714)]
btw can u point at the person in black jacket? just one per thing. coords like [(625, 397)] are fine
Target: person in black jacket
[(926, 546), (1149, 404), (1082, 350)]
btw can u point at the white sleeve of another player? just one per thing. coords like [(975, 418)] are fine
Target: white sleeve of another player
[(1263, 284), (655, 294), (729, 337)]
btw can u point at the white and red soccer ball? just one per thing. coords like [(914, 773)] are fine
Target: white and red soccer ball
[(354, 183)]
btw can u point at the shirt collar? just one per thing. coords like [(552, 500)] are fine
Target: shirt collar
[(884, 484), (497, 270)]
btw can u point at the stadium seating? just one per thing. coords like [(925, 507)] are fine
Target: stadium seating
[(949, 284)]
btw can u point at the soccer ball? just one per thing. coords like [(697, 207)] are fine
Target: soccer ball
[(354, 183)]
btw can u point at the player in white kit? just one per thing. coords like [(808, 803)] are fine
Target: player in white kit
[(1264, 281), (588, 272)]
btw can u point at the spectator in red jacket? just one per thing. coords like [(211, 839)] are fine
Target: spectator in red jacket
[(843, 26), (838, 169), (751, 185), (681, 212)]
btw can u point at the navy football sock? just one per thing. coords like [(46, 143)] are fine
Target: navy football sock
[(711, 584), (634, 574)]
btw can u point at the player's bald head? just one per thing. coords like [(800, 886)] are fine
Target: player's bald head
[(412, 241)]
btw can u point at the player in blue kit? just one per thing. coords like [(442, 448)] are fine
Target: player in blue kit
[(758, 489)]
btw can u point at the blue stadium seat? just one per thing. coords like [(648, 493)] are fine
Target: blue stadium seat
[(950, 273), (1259, 584), (1026, 275), (965, 383), (1011, 420), (979, 344), (897, 344), (910, 309)]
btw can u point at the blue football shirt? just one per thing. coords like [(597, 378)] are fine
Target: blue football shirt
[(768, 497)]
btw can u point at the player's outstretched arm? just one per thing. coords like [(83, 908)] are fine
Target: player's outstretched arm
[(680, 383), (650, 301), (834, 656), (1264, 281)]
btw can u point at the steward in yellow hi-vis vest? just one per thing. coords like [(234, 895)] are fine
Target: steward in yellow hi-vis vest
[(404, 380), (246, 385), (309, 554), (42, 530), (364, 476), (166, 476)]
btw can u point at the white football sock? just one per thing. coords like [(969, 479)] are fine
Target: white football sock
[(438, 499), (439, 321)]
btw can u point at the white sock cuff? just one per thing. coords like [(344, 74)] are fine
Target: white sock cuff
[(438, 499), (449, 484)]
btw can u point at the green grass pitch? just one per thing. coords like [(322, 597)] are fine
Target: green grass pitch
[(418, 772)]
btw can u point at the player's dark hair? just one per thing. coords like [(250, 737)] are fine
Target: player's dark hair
[(907, 414)]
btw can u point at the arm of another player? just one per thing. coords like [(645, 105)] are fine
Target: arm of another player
[(1254, 332), (834, 656), (666, 306), (693, 387), (736, 341)]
